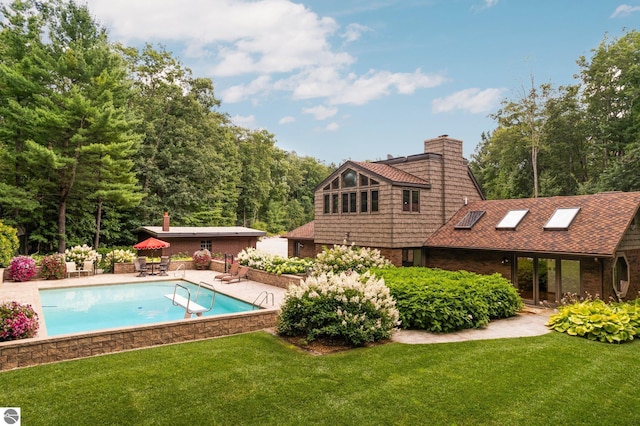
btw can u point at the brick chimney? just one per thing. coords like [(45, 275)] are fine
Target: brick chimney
[(165, 222)]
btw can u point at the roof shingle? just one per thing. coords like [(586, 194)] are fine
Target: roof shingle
[(597, 229)]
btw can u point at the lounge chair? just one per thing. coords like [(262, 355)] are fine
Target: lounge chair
[(72, 269), (243, 272), (140, 264), (163, 267), (233, 270)]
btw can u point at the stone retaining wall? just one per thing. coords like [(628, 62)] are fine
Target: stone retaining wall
[(28, 352), (281, 281)]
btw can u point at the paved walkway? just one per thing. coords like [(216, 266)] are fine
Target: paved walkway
[(530, 322)]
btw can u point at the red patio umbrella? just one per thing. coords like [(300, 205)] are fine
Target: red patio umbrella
[(151, 244)]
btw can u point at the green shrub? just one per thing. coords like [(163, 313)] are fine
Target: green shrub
[(353, 308), (116, 255), (343, 258), (272, 263), (8, 244), (445, 301), (599, 321), (53, 267)]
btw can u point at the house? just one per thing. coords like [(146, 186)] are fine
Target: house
[(547, 246), (188, 239), (392, 205), (300, 241)]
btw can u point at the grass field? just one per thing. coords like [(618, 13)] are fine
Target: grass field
[(257, 378)]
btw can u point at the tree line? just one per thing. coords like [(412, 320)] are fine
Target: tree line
[(98, 139), (575, 139)]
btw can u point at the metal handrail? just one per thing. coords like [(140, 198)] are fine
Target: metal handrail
[(195, 300), (264, 299), (180, 267)]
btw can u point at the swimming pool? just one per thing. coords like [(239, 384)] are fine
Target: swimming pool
[(93, 308)]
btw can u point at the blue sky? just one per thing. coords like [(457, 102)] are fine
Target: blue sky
[(362, 79)]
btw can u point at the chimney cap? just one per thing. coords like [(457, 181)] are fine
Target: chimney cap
[(443, 136)]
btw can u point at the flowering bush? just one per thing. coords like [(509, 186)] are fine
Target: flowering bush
[(22, 268), (79, 254), (202, 259), (343, 258), (17, 321), (118, 256), (355, 308), (53, 267), (272, 263)]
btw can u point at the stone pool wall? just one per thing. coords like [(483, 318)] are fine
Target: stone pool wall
[(28, 352)]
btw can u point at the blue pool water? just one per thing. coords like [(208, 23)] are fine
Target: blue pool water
[(92, 308)]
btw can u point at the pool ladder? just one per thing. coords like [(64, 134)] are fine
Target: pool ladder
[(264, 299), (191, 307), (180, 270)]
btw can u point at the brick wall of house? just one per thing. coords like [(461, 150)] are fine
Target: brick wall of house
[(483, 262), (308, 248), (633, 257), (593, 279)]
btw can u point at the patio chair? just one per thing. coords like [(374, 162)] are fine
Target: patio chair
[(233, 270), (243, 272), (72, 269), (140, 265), (87, 267), (163, 267)]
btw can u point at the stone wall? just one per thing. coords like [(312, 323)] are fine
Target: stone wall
[(28, 352)]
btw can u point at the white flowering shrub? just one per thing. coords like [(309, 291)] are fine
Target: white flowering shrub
[(353, 308), (272, 263), (343, 258), (118, 256), (79, 254)]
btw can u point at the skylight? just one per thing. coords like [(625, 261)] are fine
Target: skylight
[(469, 219), (562, 218), (512, 219)]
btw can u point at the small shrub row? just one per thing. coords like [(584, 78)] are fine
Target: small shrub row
[(599, 321), (344, 258), (351, 308), (272, 263), (445, 301)]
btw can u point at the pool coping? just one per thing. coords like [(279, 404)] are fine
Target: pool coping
[(43, 349)]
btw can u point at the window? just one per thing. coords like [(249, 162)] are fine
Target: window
[(205, 245), (327, 201), (334, 203), (364, 202), (374, 201), (512, 219), (335, 184), (562, 219), (364, 180), (352, 202), (410, 200), (469, 219), (345, 202), (349, 179)]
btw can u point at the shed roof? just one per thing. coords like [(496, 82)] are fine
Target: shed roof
[(597, 229), (202, 232)]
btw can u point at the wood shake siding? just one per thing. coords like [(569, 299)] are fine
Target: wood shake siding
[(442, 182)]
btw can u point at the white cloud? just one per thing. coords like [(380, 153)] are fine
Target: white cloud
[(279, 44), (321, 112), (486, 4), (354, 32), (332, 127), (624, 10), (248, 121), (287, 119), (473, 100), (238, 93)]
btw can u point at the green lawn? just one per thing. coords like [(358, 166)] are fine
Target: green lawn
[(256, 378)]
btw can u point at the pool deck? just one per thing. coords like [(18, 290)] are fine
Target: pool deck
[(28, 292)]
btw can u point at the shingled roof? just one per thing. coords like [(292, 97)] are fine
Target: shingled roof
[(304, 232), (390, 173), (597, 229)]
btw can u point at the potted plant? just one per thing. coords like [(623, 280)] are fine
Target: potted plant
[(202, 259), (8, 246)]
